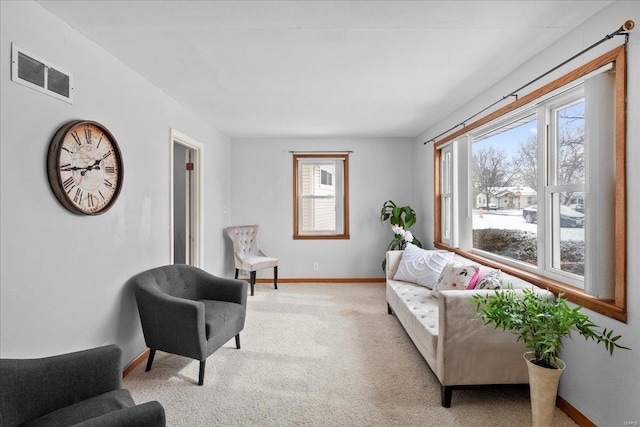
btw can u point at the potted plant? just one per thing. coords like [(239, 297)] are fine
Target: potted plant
[(540, 323), (400, 219)]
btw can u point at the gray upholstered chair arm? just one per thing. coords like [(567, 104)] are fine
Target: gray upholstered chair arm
[(172, 324), (150, 414), (221, 288), (34, 387)]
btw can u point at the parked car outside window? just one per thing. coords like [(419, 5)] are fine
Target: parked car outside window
[(577, 208), (568, 216)]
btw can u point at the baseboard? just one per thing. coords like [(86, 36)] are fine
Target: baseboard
[(573, 413), (325, 280), (138, 360)]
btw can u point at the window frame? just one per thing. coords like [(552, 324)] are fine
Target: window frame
[(297, 235), (615, 308)]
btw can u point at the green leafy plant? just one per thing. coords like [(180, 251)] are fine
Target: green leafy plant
[(400, 219), (403, 216), (540, 323)]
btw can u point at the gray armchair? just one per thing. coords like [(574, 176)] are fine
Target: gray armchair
[(186, 311), (83, 388)]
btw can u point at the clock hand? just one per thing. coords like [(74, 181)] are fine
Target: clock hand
[(72, 168), (95, 165)]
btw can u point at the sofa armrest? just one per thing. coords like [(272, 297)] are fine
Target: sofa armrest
[(393, 261), (469, 352), (150, 414), (34, 387)]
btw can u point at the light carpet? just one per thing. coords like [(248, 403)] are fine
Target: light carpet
[(320, 354)]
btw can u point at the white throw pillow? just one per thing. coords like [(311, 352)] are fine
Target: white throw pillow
[(491, 280), (421, 266), (455, 276)]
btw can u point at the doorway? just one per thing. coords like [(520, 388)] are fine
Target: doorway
[(186, 200)]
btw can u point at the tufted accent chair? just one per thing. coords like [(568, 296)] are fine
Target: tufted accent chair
[(247, 255), (186, 311)]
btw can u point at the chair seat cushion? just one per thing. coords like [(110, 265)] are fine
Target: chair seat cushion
[(87, 409), (253, 263), (222, 318)]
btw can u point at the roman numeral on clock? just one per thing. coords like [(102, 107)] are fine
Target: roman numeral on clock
[(107, 154), (110, 169), (87, 135), (90, 200), (108, 183), (78, 195), (68, 184), (75, 136)]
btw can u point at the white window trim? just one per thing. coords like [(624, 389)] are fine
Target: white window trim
[(461, 229)]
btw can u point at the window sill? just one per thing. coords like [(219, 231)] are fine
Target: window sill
[(321, 237), (605, 307)]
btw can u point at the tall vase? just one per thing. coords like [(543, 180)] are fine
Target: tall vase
[(543, 386)]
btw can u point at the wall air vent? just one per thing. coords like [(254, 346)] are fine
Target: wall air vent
[(36, 73)]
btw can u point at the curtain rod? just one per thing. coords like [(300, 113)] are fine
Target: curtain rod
[(622, 31), (321, 152)]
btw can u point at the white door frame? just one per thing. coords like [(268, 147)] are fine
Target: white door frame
[(195, 211)]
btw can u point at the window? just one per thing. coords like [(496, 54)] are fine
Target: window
[(321, 196), (538, 187), (326, 176), (504, 157)]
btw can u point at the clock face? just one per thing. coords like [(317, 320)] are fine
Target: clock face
[(85, 167)]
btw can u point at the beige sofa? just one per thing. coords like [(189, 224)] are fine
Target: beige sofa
[(459, 349)]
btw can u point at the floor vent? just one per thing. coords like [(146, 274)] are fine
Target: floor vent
[(36, 73)]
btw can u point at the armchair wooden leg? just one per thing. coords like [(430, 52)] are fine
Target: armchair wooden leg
[(236, 273), (201, 375), (238, 341), (275, 277), (152, 354), (252, 281)]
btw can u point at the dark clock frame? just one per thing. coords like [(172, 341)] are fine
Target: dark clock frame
[(53, 167)]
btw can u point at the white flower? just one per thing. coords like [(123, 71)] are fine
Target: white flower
[(397, 229), (408, 236)]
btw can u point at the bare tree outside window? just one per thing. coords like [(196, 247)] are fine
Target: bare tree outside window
[(501, 162), (491, 171)]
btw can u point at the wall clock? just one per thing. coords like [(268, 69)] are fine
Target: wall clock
[(85, 169)]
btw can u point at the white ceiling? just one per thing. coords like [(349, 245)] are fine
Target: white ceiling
[(323, 68)]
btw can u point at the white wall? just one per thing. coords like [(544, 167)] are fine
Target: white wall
[(603, 388), (62, 275), (379, 170)]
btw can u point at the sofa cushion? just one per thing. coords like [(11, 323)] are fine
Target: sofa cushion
[(85, 410), (455, 276), (421, 266), (419, 312)]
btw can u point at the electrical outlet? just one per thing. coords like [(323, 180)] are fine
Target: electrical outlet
[(316, 267)]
